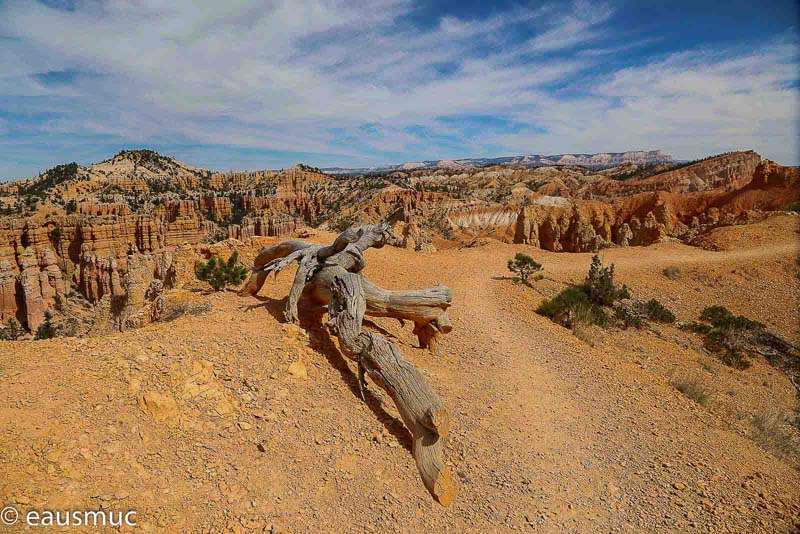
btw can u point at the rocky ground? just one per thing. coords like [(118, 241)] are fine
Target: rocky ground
[(226, 419)]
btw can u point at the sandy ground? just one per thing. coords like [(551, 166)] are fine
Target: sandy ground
[(548, 433)]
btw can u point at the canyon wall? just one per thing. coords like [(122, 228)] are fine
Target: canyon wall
[(112, 250), (726, 172), (641, 218), (95, 252)]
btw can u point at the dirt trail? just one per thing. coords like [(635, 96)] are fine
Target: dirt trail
[(588, 439), (528, 430), (548, 433)]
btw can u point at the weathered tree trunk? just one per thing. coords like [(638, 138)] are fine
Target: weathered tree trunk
[(426, 308), (421, 409), (329, 274)]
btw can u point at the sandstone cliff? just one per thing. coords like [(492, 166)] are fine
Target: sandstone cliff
[(104, 232), (727, 172)]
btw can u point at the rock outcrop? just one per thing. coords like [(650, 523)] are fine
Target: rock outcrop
[(216, 208), (727, 172), (107, 231), (646, 218), (267, 226)]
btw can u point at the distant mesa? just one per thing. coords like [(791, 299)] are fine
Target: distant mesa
[(593, 161)]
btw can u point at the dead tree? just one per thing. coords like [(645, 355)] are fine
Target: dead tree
[(426, 308), (331, 275)]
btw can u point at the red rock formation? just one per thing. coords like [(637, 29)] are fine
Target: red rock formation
[(580, 227), (298, 180), (266, 226), (646, 218), (37, 261), (176, 209), (305, 206), (105, 251), (217, 208), (727, 172), (390, 200), (30, 276), (8, 291), (92, 208)]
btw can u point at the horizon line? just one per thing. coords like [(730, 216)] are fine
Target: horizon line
[(376, 166)]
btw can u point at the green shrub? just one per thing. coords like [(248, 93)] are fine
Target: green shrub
[(585, 303), (568, 298), (731, 345), (46, 330), (12, 331), (721, 317), (68, 327), (697, 328), (634, 313), (220, 273), (794, 206), (600, 286), (573, 305), (629, 317), (524, 266), (658, 312), (730, 336), (55, 234)]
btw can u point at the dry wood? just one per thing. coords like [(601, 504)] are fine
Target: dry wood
[(426, 308), (329, 275), (420, 407)]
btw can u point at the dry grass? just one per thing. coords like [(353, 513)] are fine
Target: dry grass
[(583, 331), (708, 366), (778, 433), (673, 273), (582, 324), (692, 387), (179, 309)]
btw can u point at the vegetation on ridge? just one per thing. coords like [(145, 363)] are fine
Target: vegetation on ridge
[(220, 274), (587, 304)]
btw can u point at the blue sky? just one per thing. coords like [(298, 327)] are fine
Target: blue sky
[(248, 84)]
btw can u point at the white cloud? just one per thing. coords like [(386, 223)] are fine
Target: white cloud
[(308, 75), (691, 104)]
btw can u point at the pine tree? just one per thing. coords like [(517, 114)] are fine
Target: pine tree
[(220, 274), (46, 330), (12, 331), (524, 266), (600, 284)]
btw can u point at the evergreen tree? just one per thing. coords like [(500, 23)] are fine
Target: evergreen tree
[(219, 274), (600, 286), (524, 266), (46, 330), (12, 331)]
